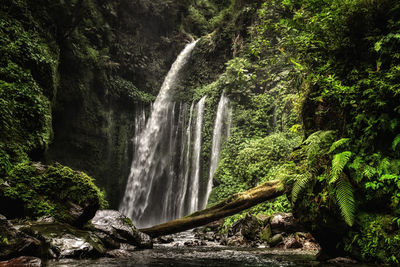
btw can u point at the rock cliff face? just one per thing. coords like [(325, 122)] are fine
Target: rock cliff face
[(110, 64)]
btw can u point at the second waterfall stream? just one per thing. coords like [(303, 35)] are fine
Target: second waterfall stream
[(166, 178)]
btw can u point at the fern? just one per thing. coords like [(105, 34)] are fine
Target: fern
[(369, 171), (338, 163), (345, 199), (396, 142), (383, 166), (301, 182), (338, 144), (357, 166)]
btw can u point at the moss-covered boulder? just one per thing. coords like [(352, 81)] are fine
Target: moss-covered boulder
[(37, 190)]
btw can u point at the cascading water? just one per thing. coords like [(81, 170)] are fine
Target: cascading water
[(181, 196), (195, 182), (221, 130), (147, 200)]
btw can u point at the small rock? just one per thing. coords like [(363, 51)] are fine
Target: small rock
[(292, 242), (275, 240), (118, 253), (189, 243), (341, 260), (46, 219), (165, 239), (22, 262)]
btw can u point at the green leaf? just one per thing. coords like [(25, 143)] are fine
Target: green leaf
[(300, 184), (345, 199), (396, 142), (338, 144), (338, 163)]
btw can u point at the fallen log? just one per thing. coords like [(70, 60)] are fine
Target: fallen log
[(229, 206)]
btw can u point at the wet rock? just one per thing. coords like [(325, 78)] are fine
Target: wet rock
[(60, 240), (214, 226), (292, 242), (22, 261), (249, 227), (165, 239), (14, 243), (120, 228), (237, 241), (80, 214), (142, 240), (266, 233), (341, 260), (264, 219), (195, 243), (46, 219), (275, 240), (284, 222), (118, 253)]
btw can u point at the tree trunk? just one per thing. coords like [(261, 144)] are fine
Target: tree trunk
[(229, 206)]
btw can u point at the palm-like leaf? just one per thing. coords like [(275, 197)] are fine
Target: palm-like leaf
[(396, 142), (338, 163), (338, 143), (345, 199), (301, 182)]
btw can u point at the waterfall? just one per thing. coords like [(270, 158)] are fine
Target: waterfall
[(221, 129), (185, 165), (146, 199), (195, 183)]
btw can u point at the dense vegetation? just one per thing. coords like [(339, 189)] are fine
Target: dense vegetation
[(314, 88), (328, 70)]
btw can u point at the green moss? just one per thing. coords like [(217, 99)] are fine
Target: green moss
[(48, 190)]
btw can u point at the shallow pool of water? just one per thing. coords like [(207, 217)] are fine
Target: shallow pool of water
[(202, 256)]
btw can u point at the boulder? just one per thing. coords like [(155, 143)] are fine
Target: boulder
[(112, 225), (283, 223), (275, 240), (249, 227), (34, 190), (14, 243), (64, 241), (266, 233), (22, 262)]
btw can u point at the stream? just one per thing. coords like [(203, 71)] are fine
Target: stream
[(209, 254)]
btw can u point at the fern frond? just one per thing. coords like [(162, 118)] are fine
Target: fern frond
[(300, 184), (396, 142), (345, 199), (338, 163), (369, 171), (383, 166), (338, 144)]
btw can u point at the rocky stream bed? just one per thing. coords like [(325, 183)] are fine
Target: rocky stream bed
[(112, 240)]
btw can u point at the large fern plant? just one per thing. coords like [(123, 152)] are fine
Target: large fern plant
[(334, 176)]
